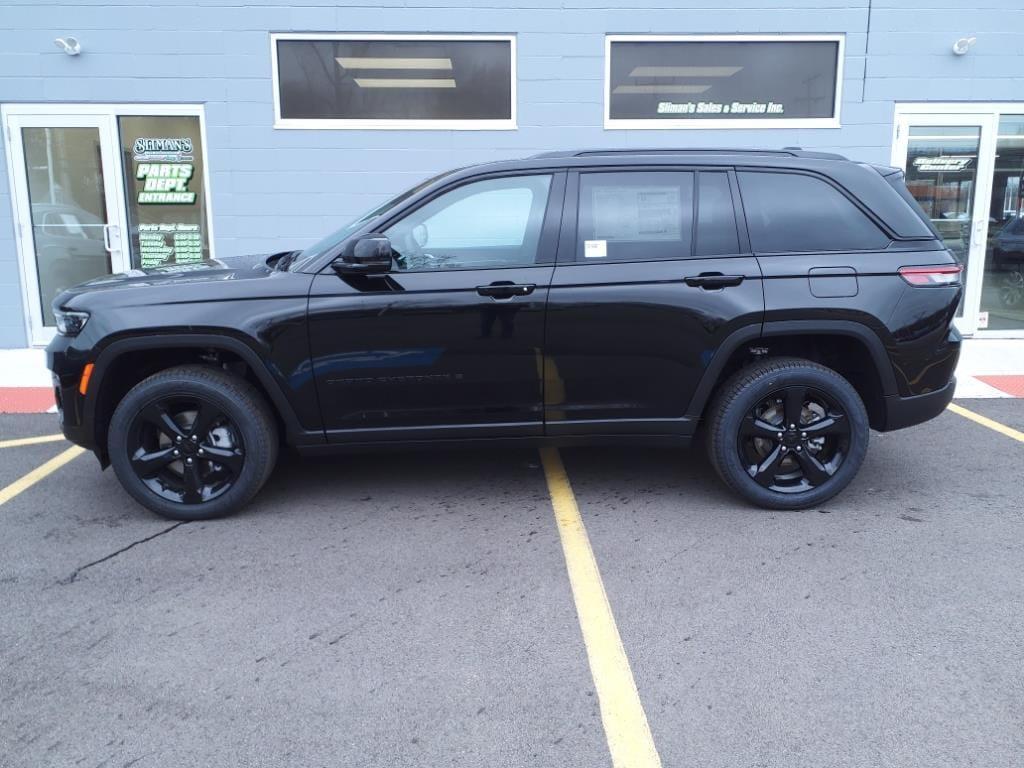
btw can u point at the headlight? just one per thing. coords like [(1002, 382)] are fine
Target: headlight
[(70, 323)]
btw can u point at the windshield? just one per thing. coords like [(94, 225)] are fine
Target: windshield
[(335, 238)]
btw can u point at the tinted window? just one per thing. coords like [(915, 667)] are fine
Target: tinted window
[(793, 212), (433, 79), (492, 223), (716, 219), (635, 216), (737, 80)]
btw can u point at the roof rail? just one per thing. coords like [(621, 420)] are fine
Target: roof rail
[(785, 152)]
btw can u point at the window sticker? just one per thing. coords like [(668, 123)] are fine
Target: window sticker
[(595, 249), (637, 213)]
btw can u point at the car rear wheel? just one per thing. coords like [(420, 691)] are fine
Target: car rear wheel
[(787, 433), (193, 443)]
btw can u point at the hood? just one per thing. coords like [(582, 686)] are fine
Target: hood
[(253, 266)]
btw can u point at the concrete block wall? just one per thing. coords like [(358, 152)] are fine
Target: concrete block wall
[(275, 189)]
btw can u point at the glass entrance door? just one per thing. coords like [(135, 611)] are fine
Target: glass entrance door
[(67, 198), (947, 161), (1002, 289)]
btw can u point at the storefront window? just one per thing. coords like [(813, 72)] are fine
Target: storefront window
[(165, 189), (1002, 293), (700, 81), (405, 81)]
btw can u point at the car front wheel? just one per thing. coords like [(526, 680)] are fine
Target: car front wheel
[(193, 443), (787, 433)]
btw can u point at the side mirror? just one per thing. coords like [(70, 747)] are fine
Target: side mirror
[(369, 255)]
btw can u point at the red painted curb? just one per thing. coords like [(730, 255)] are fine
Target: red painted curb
[(1011, 385), (26, 399)]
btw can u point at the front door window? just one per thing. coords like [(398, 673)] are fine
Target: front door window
[(488, 224)]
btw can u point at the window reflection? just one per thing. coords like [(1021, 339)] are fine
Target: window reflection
[(1002, 293)]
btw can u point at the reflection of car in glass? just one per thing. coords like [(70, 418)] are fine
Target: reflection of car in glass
[(786, 302), (69, 245), (1008, 258)]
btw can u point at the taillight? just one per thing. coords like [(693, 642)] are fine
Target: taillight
[(946, 274)]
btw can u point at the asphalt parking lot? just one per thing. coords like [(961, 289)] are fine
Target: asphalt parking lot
[(415, 609)]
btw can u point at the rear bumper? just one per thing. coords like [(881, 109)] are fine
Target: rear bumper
[(903, 412)]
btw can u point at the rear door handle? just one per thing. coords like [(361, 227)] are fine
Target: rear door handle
[(505, 290), (712, 280)]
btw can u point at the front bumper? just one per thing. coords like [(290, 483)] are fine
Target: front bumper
[(66, 363), (903, 412)]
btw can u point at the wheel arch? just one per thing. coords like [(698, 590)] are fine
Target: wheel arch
[(126, 361), (855, 351)]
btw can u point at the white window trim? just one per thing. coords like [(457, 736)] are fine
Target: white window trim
[(391, 124), (734, 123)]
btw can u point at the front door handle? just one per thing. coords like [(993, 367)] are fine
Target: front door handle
[(713, 280), (505, 290)]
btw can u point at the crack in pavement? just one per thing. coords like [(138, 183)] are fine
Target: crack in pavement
[(74, 574)]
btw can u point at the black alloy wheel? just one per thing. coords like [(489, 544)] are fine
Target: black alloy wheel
[(186, 450), (793, 440), (787, 433), (193, 442)]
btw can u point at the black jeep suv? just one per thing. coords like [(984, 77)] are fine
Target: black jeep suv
[(785, 302)]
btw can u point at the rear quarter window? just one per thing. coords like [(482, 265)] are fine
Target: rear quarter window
[(791, 212)]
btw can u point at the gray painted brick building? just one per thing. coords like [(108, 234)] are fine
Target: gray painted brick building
[(184, 130)]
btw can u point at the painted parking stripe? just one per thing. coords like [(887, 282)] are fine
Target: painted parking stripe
[(985, 421), (625, 723), (17, 442), (27, 481)]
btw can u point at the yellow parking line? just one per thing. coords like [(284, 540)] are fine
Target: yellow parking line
[(31, 441), (985, 421), (27, 481), (625, 724)]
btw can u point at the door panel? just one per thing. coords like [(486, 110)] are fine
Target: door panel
[(450, 342), (633, 320), (426, 349), (628, 343)]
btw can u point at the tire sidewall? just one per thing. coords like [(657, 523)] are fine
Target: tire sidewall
[(149, 392), (754, 392)]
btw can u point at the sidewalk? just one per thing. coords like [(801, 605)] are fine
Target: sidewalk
[(988, 368)]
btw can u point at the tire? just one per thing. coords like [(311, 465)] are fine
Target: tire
[(759, 457), (216, 422)]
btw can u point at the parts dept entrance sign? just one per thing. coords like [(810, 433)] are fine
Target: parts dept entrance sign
[(167, 220)]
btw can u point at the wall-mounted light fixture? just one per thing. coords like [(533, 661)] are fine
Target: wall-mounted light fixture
[(963, 45), (69, 45)]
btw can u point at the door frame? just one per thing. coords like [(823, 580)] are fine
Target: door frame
[(104, 117), (984, 115)]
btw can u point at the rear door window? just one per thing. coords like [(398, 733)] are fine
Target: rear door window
[(791, 212), (635, 216)]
